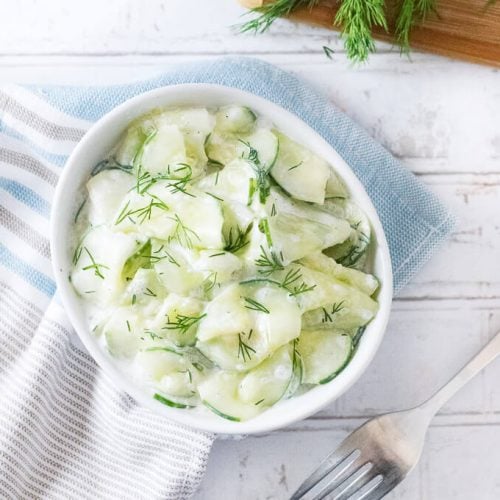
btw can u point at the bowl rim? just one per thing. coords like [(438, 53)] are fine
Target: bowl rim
[(179, 95)]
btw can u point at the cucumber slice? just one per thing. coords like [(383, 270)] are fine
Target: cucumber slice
[(324, 353), (352, 252), (220, 265), (237, 352), (148, 214), (97, 272), (177, 320), (294, 237), (235, 120), (298, 229), (219, 393), (169, 402), (166, 148), (297, 372), (141, 258), (266, 145), (335, 187), (300, 172), (175, 271), (276, 315), (106, 191), (223, 148), (328, 291), (168, 371), (122, 331), (365, 282), (195, 124), (231, 183), (130, 144), (144, 289), (226, 315), (268, 382)]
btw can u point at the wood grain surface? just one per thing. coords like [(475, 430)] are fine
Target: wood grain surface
[(464, 29)]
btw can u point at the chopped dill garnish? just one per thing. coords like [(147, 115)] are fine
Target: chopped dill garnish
[(217, 177), (217, 254), (183, 234), (128, 325), (171, 259), (152, 334), (328, 52), (259, 402), (149, 293), (268, 264), (94, 265), (198, 366), (237, 240), (182, 323), (290, 280), (273, 210), (328, 316), (134, 299), (255, 306), (296, 166), (214, 196), (244, 350)]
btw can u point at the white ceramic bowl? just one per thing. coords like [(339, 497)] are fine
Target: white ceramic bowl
[(97, 143)]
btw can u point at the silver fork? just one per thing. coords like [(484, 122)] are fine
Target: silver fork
[(377, 456)]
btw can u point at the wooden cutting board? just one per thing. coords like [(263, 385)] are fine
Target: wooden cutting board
[(464, 29)]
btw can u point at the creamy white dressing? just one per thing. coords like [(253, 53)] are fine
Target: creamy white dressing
[(209, 253)]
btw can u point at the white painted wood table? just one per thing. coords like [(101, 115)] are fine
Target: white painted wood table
[(442, 118)]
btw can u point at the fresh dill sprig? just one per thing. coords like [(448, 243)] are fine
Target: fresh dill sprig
[(183, 234), (268, 264), (94, 265), (269, 12), (358, 18), (410, 13), (245, 351), (182, 323), (237, 239), (328, 315), (253, 305)]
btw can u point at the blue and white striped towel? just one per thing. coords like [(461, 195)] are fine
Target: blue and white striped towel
[(65, 431)]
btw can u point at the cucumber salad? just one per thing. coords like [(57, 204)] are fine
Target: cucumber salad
[(220, 263)]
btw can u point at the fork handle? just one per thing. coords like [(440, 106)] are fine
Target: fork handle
[(487, 354)]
